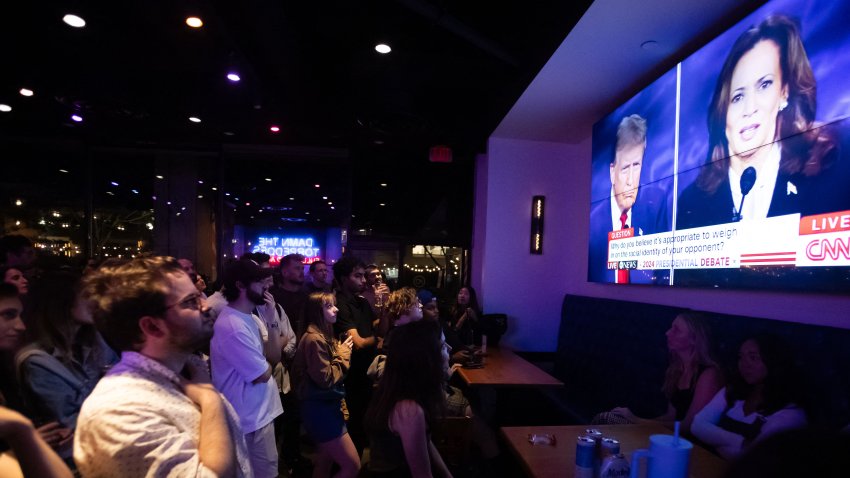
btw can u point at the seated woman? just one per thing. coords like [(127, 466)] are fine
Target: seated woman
[(465, 314), (692, 377), (320, 366), (60, 369), (758, 401), (23, 448), (408, 400)]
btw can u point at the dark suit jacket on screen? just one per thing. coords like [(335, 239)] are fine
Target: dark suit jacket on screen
[(649, 216)]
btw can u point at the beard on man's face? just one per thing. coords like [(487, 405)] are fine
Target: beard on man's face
[(255, 297)]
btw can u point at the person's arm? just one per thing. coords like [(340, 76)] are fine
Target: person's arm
[(408, 421), (459, 324), (437, 461), (273, 343), (360, 342), (708, 384), (287, 335), (665, 419), (215, 445), (33, 454), (324, 367), (243, 350), (264, 377), (785, 419), (706, 429)]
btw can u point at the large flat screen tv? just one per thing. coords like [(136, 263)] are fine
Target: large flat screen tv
[(733, 168)]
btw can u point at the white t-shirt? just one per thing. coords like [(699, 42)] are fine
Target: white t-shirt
[(729, 444), (236, 352)]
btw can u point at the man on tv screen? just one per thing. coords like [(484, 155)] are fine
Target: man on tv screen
[(626, 208)]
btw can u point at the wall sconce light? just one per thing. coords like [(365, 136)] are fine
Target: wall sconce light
[(537, 224)]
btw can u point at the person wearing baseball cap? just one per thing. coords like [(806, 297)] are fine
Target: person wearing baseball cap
[(241, 369)]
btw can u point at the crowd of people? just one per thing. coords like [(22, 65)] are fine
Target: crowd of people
[(130, 369), (133, 368)]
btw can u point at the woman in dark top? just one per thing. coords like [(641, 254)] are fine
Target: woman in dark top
[(692, 377), (465, 314), (408, 400), (766, 92)]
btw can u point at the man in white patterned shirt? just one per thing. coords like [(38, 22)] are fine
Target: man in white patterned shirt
[(155, 413)]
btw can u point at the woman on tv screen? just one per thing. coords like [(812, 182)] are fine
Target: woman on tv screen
[(765, 151)]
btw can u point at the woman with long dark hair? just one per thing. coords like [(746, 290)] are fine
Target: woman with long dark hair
[(465, 314), (766, 91), (760, 399), (409, 399), (321, 364), (31, 455), (68, 356)]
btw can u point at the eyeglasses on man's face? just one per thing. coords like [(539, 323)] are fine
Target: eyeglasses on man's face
[(192, 302)]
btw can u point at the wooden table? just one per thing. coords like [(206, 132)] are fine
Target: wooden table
[(559, 461), (503, 368)]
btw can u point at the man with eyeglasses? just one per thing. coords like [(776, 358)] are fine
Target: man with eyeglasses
[(155, 413), (241, 370)]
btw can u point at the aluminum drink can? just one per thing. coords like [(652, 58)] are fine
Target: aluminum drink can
[(615, 466), (585, 457), (610, 446)]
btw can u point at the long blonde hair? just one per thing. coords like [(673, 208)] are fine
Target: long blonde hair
[(700, 334)]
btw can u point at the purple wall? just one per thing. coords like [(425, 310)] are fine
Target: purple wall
[(530, 288)]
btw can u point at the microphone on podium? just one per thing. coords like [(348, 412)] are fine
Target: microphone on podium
[(748, 179)]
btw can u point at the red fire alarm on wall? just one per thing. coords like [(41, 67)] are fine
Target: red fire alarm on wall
[(440, 154)]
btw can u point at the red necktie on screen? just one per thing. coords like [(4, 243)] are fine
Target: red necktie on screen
[(623, 274)]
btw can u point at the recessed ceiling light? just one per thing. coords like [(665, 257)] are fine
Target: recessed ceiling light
[(5, 108), (74, 21), (158, 176), (383, 48), (113, 183), (214, 188), (381, 204), (649, 45), (274, 129), (317, 185), (18, 202), (233, 77), (332, 207), (194, 119), (269, 179), (135, 191), (63, 170), (25, 92), (200, 196), (77, 118), (228, 133), (383, 185), (200, 181), (325, 198), (194, 22), (291, 199)]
